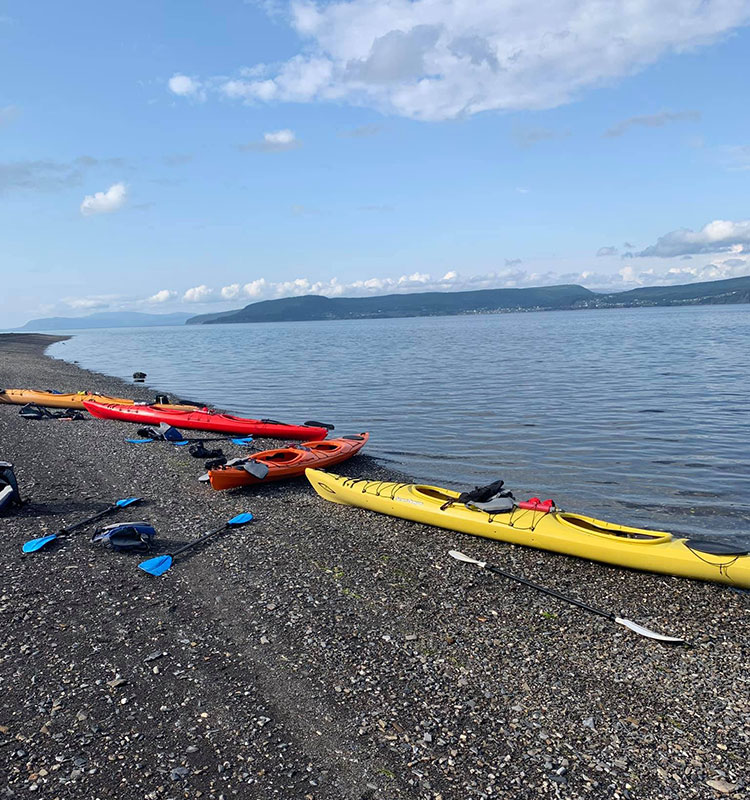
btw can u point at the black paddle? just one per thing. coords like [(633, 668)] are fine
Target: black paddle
[(37, 544), (160, 564), (633, 626)]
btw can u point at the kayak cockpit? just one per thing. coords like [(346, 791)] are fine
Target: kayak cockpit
[(622, 532), (433, 493)]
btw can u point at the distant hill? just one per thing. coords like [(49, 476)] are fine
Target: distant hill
[(730, 290), (423, 304), (420, 304), (106, 319)]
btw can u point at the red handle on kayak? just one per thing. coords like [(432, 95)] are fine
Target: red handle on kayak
[(535, 504)]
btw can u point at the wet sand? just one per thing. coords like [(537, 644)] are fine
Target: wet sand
[(327, 652)]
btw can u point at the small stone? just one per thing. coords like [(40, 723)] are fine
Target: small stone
[(722, 786), (264, 640), (178, 773), (153, 656), (115, 682), (589, 723)]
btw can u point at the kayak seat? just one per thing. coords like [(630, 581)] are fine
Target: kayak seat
[(497, 505), (281, 455)]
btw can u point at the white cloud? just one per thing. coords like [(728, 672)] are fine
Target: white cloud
[(653, 121), (715, 237), (606, 251), (199, 294), (714, 271), (255, 288), (104, 202), (230, 292), (185, 86), (162, 297), (93, 303), (274, 142), (512, 276), (440, 59)]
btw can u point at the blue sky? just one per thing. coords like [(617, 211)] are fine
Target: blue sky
[(195, 156)]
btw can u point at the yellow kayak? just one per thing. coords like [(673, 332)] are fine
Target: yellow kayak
[(556, 530), (72, 400)]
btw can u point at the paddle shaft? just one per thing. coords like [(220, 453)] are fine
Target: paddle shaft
[(551, 592), (199, 540), (83, 522)]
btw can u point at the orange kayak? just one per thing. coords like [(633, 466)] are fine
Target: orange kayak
[(70, 400), (289, 462)]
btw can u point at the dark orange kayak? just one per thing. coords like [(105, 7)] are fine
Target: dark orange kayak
[(289, 462)]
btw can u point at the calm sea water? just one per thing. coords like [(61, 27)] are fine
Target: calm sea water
[(637, 416)]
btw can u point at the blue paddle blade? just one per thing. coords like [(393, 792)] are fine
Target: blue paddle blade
[(245, 440), (240, 519), (37, 544), (156, 566), (138, 441), (180, 443), (127, 501)]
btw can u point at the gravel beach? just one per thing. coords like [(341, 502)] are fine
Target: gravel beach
[(328, 653)]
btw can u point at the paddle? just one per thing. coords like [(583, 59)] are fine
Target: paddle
[(633, 626), (37, 544), (160, 564)]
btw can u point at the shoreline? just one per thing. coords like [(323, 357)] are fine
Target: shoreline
[(326, 652)]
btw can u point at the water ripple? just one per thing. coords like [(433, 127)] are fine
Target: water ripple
[(636, 415)]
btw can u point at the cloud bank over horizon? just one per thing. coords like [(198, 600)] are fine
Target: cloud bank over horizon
[(235, 295), (442, 59)]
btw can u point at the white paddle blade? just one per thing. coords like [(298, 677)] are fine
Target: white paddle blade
[(204, 478), (461, 557), (634, 626)]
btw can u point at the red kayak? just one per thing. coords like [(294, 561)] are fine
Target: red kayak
[(206, 420)]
